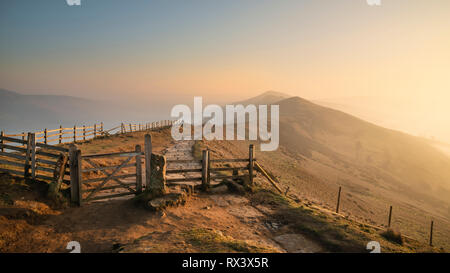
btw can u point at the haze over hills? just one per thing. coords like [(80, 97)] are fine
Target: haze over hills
[(349, 148), (20, 112), (392, 157), (33, 112), (424, 118)]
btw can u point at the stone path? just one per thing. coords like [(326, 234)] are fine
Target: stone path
[(182, 150)]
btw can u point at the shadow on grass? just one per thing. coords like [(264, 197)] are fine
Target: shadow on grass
[(330, 232)]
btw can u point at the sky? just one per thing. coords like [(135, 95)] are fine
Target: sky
[(227, 50)]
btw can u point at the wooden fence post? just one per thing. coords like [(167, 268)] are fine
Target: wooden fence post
[(101, 126), (138, 169), (28, 157), (251, 155), (75, 174), (208, 177), (32, 137), (338, 200), (431, 233), (121, 128), (390, 216), (45, 136), (95, 130), (60, 134), (23, 138), (205, 169), (148, 157), (58, 174), (131, 128), (84, 132), (2, 134), (74, 134)]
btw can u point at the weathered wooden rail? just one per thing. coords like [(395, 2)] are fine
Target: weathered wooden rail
[(30, 159), (82, 133), (129, 127), (61, 134)]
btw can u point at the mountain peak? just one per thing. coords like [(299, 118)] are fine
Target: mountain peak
[(268, 97)]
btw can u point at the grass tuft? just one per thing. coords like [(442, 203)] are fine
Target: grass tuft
[(393, 236)]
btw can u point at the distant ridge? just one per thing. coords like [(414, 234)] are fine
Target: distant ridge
[(268, 97), (35, 112)]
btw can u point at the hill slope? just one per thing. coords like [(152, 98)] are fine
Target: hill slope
[(322, 149), (406, 162), (267, 97)]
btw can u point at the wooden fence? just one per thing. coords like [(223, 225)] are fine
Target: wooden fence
[(210, 170), (30, 159), (60, 135), (35, 155), (106, 180), (129, 127), (83, 133)]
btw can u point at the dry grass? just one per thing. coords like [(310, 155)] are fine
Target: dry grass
[(393, 236), (369, 203), (197, 150), (213, 241), (334, 232)]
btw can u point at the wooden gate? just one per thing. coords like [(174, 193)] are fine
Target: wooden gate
[(105, 176), (213, 169), (31, 159)]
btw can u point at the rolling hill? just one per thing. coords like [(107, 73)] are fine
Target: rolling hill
[(408, 162), (322, 149)]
